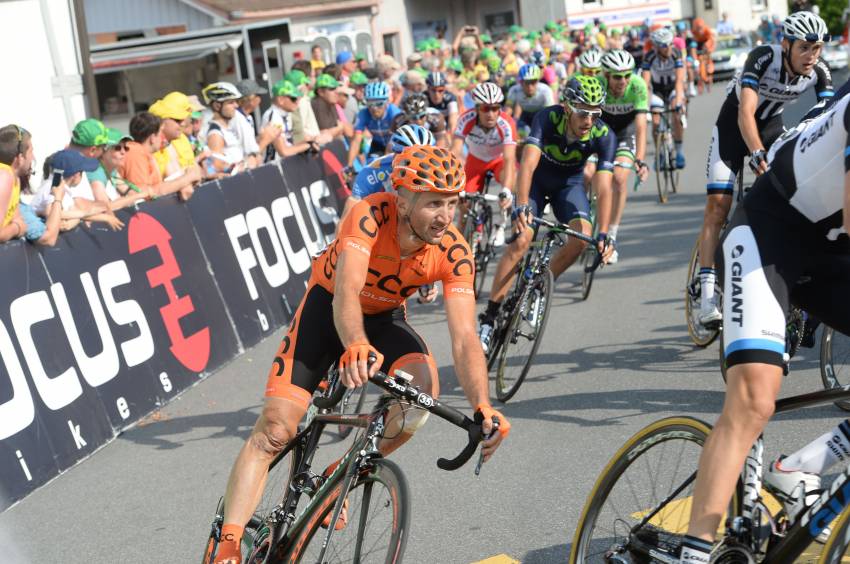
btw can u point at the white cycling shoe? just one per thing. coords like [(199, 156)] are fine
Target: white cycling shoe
[(709, 314), (499, 236), (796, 490)]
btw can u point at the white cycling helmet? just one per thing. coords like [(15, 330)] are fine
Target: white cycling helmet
[(618, 60), (805, 26), (662, 37), (590, 59), (220, 92), (487, 93)]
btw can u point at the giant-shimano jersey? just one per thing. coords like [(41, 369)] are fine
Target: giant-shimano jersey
[(662, 71), (808, 165), (765, 72)]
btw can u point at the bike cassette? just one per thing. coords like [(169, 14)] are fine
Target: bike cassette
[(732, 553)]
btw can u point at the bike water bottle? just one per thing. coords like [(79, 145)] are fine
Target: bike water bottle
[(527, 274)]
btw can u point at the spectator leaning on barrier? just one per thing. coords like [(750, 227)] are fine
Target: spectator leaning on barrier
[(284, 106), (317, 59), (362, 62), (141, 169), (358, 82), (106, 182), (227, 153), (68, 167), (16, 160), (242, 123), (176, 154), (324, 106), (345, 61), (304, 125)]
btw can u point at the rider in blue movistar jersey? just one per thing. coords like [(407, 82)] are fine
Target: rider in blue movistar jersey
[(375, 177), (376, 118)]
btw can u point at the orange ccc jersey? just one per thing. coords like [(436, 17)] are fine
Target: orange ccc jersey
[(371, 228)]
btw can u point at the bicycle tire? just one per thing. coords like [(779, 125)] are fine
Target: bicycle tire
[(588, 256), (836, 545), (342, 408), (661, 432), (380, 471), (483, 253), (831, 374), (505, 390), (700, 336), (660, 177)]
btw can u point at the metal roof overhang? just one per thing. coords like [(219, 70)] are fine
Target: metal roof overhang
[(114, 58)]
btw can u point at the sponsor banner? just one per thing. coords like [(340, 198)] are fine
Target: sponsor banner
[(107, 326), (657, 12)]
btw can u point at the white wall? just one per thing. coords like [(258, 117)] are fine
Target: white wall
[(743, 14), (33, 104), (394, 17)]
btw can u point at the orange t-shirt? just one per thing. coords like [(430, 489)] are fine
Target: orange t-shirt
[(371, 228), (140, 166)]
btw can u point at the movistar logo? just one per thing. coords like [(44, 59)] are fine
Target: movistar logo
[(557, 154)]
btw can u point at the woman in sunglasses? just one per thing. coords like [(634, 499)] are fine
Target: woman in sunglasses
[(562, 139), (750, 120), (106, 182)]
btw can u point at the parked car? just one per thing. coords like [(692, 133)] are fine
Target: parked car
[(730, 54), (835, 55)]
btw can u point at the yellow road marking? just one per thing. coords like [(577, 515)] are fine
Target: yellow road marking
[(498, 559)]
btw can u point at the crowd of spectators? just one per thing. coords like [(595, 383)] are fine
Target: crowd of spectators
[(181, 140)]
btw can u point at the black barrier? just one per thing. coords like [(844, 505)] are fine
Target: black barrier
[(105, 327)]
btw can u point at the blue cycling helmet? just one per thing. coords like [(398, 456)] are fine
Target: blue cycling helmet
[(409, 135), (681, 26), (436, 78), (377, 91), (529, 72)]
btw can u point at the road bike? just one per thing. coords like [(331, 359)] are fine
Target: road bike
[(478, 230), (292, 520), (589, 254), (521, 320), (666, 172), (639, 507)]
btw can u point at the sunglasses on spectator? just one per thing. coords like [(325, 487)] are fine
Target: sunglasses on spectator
[(582, 113), (119, 147), (293, 99), (619, 75), (21, 133), (490, 108), (376, 103)]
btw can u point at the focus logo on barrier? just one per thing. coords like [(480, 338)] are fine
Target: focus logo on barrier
[(333, 169), (191, 351)]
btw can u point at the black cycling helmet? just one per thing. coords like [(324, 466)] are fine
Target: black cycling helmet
[(415, 105)]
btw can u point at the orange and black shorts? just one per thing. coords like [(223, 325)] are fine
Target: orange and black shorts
[(311, 346)]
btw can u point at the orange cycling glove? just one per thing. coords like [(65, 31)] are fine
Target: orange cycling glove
[(357, 352), (488, 412)]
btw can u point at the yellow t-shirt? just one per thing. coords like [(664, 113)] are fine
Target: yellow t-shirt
[(16, 195), (181, 147)]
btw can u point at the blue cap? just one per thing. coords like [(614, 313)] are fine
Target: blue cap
[(71, 162), (343, 57)]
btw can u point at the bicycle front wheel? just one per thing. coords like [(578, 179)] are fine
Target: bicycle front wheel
[(378, 521), (662, 166), (700, 336), (835, 550), (587, 258), (528, 322), (835, 362), (657, 463)]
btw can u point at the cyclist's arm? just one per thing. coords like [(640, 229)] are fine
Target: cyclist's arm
[(509, 169), (641, 107), (647, 78), (602, 179), (747, 119), (823, 87), (351, 271), (470, 365), (846, 197), (457, 147), (680, 81), (530, 158), (354, 147)]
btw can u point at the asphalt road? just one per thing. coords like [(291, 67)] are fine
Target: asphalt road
[(606, 368)]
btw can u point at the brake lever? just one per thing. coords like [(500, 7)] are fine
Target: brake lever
[(485, 438)]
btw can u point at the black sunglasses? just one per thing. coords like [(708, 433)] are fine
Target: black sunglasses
[(815, 38)]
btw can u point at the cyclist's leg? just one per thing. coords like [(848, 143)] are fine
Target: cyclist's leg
[(720, 186), (474, 169), (761, 261), (305, 353), (625, 156), (570, 205), (403, 349), (505, 270)]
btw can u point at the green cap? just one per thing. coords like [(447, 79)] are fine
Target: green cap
[(488, 53), (114, 137), (551, 25), (89, 133), (359, 58), (296, 77), (434, 43), (285, 88), (455, 65), (532, 35), (423, 45), (494, 64), (485, 38), (326, 81), (358, 78), (514, 29)]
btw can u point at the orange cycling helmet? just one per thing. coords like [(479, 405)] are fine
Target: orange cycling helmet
[(421, 168), (698, 23)]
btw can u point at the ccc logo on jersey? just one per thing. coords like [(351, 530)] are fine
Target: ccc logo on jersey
[(457, 253)]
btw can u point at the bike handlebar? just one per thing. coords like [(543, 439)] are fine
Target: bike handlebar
[(479, 196), (402, 389)]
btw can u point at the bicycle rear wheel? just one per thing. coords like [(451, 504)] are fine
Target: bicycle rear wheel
[(587, 258), (378, 520), (701, 336), (483, 251), (658, 462), (835, 362), (662, 164), (523, 336)]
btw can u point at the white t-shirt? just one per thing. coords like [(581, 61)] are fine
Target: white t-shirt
[(245, 133), (43, 198), (234, 151)]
